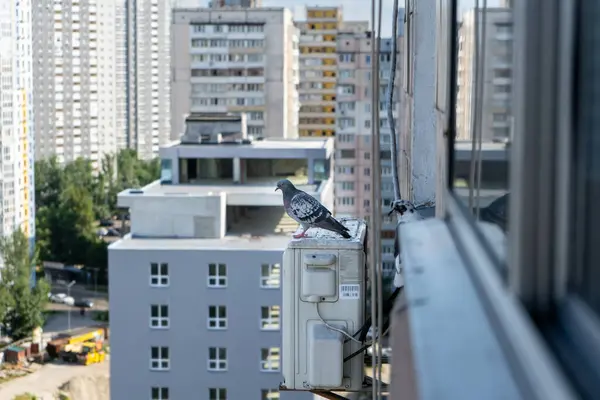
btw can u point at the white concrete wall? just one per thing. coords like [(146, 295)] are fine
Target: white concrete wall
[(163, 216)]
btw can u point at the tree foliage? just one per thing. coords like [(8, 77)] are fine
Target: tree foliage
[(71, 198), (21, 303)]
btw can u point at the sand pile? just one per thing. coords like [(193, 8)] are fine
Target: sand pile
[(87, 388)]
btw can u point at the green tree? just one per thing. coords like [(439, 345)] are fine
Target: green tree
[(73, 225), (22, 304)]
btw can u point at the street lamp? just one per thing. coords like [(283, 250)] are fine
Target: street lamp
[(69, 295)]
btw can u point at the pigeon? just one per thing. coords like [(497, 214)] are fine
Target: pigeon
[(307, 211)]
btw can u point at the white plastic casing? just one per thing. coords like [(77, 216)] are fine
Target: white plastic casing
[(327, 270)]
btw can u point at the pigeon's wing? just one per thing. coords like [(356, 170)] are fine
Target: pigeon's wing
[(307, 209)]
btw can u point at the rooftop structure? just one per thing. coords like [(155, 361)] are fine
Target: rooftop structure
[(208, 237)]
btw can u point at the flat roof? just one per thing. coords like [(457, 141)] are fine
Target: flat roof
[(226, 186), (227, 243), (273, 144)]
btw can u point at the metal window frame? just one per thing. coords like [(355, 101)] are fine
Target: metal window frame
[(537, 258)]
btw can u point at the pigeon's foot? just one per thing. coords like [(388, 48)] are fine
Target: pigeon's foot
[(300, 235)]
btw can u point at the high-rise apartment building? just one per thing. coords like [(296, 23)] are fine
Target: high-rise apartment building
[(16, 119), (236, 60), (74, 77), (353, 162), (497, 75), (144, 71), (203, 260), (318, 71)]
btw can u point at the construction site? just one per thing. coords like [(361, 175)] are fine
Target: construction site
[(70, 365)]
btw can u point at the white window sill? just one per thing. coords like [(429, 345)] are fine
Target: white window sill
[(448, 340)]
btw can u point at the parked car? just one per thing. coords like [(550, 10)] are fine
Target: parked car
[(84, 303), (58, 297), (68, 300)]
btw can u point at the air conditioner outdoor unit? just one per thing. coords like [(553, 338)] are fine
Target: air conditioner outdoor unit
[(323, 303)]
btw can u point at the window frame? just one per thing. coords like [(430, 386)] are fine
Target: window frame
[(217, 319), (217, 276), (265, 279), (217, 360), (160, 393), (263, 360), (269, 319), (160, 318), (538, 322), (160, 360), (217, 394), (161, 280)]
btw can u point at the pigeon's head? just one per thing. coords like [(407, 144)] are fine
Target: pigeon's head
[(284, 185)]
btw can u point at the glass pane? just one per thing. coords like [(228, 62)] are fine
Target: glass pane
[(155, 392), (212, 269), (212, 353), (586, 272), (164, 393), (165, 352), (222, 394), (164, 311), (484, 115), (264, 270), (222, 312), (154, 311), (264, 312), (212, 312), (166, 171), (153, 269), (222, 353), (164, 269), (222, 270), (154, 352)]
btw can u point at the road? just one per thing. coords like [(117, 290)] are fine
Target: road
[(59, 322), (100, 299), (46, 381)]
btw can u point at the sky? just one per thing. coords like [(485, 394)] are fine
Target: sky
[(357, 9)]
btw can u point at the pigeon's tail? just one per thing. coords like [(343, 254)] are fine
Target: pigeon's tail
[(332, 224)]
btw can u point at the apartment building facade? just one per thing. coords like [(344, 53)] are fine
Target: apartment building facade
[(318, 71), (17, 129), (204, 260), (236, 60), (497, 75), (143, 75), (353, 165), (74, 77)]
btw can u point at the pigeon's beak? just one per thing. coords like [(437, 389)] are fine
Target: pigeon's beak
[(276, 189)]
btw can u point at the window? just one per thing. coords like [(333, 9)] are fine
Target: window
[(159, 316), (345, 201), (159, 274), (217, 359), (217, 317), (367, 172), (347, 153), (217, 394), (347, 185), (270, 276), (269, 394), (217, 275), (367, 155), (159, 393), (346, 57), (159, 359), (269, 318), (269, 359), (346, 73)]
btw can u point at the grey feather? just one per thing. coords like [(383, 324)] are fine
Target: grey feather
[(308, 211)]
